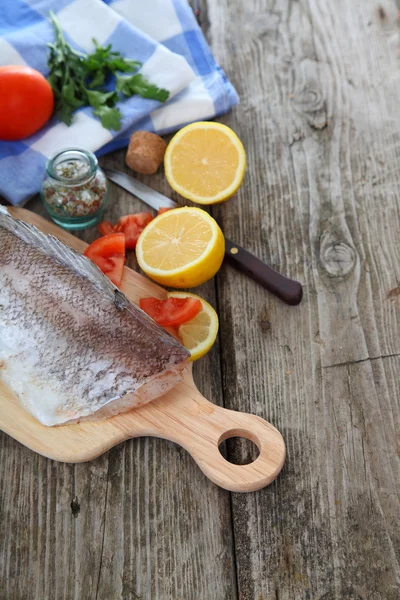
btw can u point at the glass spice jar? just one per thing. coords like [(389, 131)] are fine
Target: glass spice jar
[(74, 188)]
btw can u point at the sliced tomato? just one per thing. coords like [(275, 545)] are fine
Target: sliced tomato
[(171, 312), (106, 228), (162, 210), (108, 253), (106, 246), (132, 226), (113, 267)]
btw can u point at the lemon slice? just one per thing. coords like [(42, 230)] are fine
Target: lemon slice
[(205, 162), (199, 334), (181, 248)]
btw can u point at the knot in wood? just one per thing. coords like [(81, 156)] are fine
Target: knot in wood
[(287, 60), (337, 257), (285, 65), (309, 100)]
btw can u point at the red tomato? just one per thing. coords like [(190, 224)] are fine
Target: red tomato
[(113, 267), (162, 210), (26, 102), (106, 246), (132, 226), (108, 253), (171, 312), (106, 228)]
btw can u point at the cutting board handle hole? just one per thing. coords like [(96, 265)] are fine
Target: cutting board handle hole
[(239, 447)]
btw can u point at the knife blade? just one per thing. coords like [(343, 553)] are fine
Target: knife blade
[(286, 289), (142, 191)]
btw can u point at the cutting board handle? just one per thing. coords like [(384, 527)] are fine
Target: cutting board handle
[(200, 427)]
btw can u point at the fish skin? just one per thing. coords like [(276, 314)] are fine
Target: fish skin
[(72, 346)]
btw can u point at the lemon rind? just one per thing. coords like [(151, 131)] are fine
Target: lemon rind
[(205, 346)]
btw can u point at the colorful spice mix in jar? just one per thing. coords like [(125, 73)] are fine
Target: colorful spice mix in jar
[(74, 189)]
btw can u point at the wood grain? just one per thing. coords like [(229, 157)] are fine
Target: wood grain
[(138, 523), (319, 87)]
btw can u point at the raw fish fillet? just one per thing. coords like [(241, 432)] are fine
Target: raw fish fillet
[(72, 346)]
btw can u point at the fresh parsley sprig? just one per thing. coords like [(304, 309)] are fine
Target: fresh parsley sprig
[(138, 84), (77, 80)]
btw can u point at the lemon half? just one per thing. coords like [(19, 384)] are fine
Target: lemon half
[(181, 248), (205, 162)]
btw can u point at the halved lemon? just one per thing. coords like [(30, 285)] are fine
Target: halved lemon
[(205, 162), (181, 248), (199, 334)]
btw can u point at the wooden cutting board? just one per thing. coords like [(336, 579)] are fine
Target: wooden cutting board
[(183, 415)]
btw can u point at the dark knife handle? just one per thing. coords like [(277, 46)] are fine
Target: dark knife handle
[(288, 290)]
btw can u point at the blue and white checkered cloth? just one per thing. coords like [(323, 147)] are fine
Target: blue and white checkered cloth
[(162, 34)]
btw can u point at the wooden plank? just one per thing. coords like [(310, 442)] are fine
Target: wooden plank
[(141, 522), (319, 92), (320, 96)]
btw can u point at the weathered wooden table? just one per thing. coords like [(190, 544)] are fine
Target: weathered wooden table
[(319, 116)]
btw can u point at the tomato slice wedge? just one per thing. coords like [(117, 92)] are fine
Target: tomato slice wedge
[(114, 243), (113, 267), (132, 226), (163, 209), (108, 253), (171, 312), (106, 228)]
